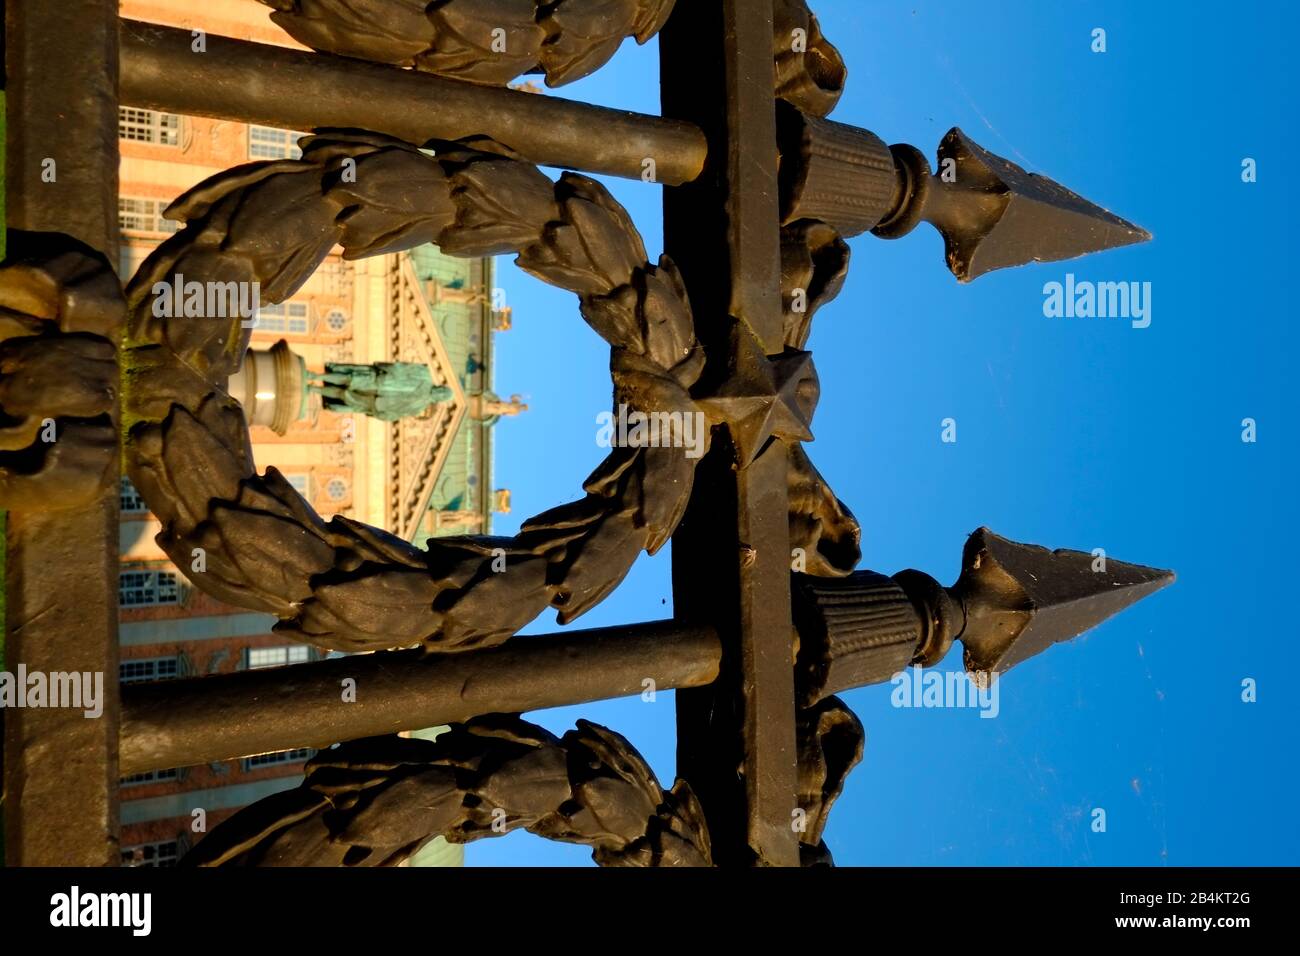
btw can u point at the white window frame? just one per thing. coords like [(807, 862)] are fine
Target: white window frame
[(148, 126), (301, 481), (140, 214), (268, 142), (150, 776), (286, 318), (158, 668), (155, 588), (261, 761), (256, 658), (166, 853), (130, 501)]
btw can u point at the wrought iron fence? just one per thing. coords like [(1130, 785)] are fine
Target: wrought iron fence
[(416, 138)]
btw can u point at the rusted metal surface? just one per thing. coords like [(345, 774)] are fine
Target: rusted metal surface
[(274, 86), (60, 766)]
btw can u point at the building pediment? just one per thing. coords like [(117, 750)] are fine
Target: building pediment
[(417, 447)]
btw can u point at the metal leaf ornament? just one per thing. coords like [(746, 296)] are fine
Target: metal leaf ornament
[(343, 585), (375, 802), (481, 41)]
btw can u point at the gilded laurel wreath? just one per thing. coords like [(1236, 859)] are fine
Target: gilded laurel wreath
[(344, 585)]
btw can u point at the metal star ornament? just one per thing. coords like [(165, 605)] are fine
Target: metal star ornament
[(763, 397)]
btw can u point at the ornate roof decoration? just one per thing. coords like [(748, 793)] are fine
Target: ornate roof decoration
[(417, 447)]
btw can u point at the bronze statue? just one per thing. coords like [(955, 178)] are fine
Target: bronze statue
[(389, 391)]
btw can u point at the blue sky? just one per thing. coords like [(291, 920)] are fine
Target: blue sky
[(1076, 433)]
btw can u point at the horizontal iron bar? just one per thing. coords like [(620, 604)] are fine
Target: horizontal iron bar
[(292, 89), (186, 722)]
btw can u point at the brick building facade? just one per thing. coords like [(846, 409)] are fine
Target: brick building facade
[(420, 477)]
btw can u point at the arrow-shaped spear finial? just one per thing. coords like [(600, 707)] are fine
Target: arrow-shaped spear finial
[(1020, 599), (992, 213), (1012, 601)]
